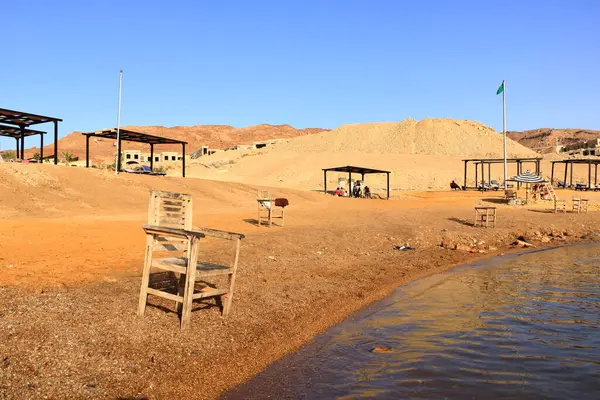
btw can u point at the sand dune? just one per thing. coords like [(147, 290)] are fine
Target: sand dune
[(421, 155)]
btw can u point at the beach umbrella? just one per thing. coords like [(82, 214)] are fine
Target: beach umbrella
[(527, 178)]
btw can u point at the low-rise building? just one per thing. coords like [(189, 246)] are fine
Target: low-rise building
[(131, 157)]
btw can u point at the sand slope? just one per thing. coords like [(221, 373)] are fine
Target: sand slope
[(421, 155)]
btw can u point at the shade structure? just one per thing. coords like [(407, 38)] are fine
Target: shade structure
[(527, 177)]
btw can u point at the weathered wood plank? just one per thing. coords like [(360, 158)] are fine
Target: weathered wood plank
[(209, 293), (165, 295), (218, 233)]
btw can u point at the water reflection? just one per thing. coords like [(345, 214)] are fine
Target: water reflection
[(519, 327)]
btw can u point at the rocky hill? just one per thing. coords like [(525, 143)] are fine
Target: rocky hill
[(544, 140)]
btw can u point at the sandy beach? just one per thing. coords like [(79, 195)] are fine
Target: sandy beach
[(72, 253)]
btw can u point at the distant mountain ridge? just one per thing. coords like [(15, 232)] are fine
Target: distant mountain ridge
[(545, 140), (214, 136)]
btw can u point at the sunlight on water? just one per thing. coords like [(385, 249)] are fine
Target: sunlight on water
[(517, 327)]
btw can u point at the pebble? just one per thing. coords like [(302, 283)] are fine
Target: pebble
[(381, 349)]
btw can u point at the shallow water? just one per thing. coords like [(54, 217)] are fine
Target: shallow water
[(516, 327)]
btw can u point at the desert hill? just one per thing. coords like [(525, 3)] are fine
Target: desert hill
[(214, 136), (544, 140), (423, 154)]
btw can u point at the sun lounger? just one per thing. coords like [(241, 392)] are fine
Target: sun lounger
[(494, 185), (148, 171), (561, 184)]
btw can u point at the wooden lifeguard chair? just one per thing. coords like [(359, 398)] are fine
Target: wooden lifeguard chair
[(172, 246)]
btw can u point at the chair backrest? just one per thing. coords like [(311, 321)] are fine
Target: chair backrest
[(173, 210), (263, 194)]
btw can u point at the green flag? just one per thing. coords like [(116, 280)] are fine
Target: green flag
[(501, 88)]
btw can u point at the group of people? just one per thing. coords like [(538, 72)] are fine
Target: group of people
[(357, 192)]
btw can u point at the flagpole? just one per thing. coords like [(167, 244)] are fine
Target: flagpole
[(504, 127), (118, 157)]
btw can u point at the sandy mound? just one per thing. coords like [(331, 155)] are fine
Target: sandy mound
[(421, 155), (430, 136)]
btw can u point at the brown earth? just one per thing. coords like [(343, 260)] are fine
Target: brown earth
[(71, 255), (544, 140), (214, 136)]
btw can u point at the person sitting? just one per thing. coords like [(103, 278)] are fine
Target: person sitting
[(338, 191), (367, 192), (454, 186), (356, 191)]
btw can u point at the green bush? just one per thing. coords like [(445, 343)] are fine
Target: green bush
[(8, 155)]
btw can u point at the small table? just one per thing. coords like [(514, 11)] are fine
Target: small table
[(485, 216), (261, 205)]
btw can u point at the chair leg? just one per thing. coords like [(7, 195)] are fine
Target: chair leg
[(229, 296), (181, 293), (146, 275), (190, 280), (282, 216)]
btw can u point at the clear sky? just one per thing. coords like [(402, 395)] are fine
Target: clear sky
[(304, 63)]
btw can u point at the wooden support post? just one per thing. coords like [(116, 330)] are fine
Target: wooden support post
[(325, 181), (589, 174), (482, 173), (41, 160), (552, 174), (350, 183), (571, 178), (22, 143), (87, 151), (55, 142), (17, 150), (489, 173), (183, 160), (566, 170), (596, 175), (151, 157), (476, 176), (465, 181), (388, 185)]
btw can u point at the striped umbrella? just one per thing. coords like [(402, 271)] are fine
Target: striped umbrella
[(527, 177)]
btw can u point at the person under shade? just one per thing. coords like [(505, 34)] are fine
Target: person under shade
[(454, 186), (367, 192)]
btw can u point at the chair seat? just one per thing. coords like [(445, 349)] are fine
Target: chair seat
[(202, 268)]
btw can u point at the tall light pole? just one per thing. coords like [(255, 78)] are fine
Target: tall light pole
[(118, 157)]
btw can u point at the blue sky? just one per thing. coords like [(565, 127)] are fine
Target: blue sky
[(304, 63)]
